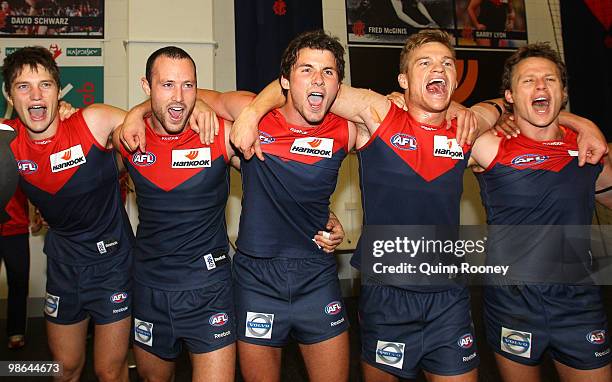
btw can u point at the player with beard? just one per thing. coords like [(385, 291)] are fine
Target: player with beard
[(191, 178), (286, 283), (69, 175)]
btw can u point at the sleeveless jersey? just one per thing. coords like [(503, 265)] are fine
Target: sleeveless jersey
[(72, 180), (411, 174), (539, 184), (285, 198), (182, 188)]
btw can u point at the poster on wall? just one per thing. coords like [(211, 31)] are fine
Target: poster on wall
[(473, 23), (491, 23), (81, 71), (390, 22), (80, 19)]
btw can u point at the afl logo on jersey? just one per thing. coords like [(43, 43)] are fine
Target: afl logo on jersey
[(404, 142), (143, 159), (529, 159), (265, 138), (27, 167)]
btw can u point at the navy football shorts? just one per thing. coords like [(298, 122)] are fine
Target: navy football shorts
[(102, 291), (523, 322), (202, 319), (281, 297), (404, 331)]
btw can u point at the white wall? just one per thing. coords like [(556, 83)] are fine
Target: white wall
[(137, 27)]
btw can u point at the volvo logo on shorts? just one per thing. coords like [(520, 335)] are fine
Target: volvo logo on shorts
[(51, 305), (529, 159), (144, 159), (465, 341), (404, 142), (333, 308), (119, 297), (143, 332), (218, 319), (265, 138), (516, 342), (597, 337), (259, 325), (27, 167), (390, 353)]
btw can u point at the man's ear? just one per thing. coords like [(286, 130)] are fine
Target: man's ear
[(508, 96), (402, 80), (284, 83), (145, 86)]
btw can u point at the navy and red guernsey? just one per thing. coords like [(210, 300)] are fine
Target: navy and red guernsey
[(285, 198), (410, 174), (72, 180), (539, 184), (182, 188)]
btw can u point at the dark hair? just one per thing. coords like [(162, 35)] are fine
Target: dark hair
[(539, 49), (31, 56), (173, 52), (314, 40), (421, 38)]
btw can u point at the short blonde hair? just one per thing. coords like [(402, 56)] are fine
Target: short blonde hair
[(419, 39)]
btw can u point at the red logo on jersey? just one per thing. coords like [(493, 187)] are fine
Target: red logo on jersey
[(279, 8), (67, 155), (192, 155), (359, 28), (315, 143)]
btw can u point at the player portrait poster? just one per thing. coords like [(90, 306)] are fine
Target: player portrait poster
[(52, 19), (81, 71), (473, 23), (491, 23), (390, 22)]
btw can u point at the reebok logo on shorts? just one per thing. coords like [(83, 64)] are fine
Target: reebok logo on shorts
[(51, 305), (143, 332), (259, 325), (516, 342), (390, 354)]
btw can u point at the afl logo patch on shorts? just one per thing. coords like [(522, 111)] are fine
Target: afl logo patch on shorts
[(259, 325), (466, 341), (51, 305), (516, 342), (333, 308), (143, 332), (218, 319), (596, 337), (390, 353)]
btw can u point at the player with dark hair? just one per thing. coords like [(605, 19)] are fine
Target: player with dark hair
[(406, 156), (286, 284), (67, 172), (534, 180)]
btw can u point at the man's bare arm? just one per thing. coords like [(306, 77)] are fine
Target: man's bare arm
[(103, 120)]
